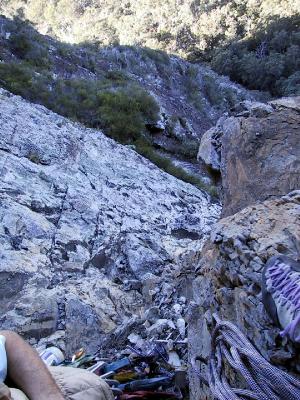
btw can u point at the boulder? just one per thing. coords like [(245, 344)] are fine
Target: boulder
[(287, 102), (256, 108), (34, 315), (83, 326)]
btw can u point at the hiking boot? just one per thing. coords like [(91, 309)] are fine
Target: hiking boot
[(281, 294)]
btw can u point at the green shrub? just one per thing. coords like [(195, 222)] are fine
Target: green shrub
[(29, 47), (20, 79), (192, 71), (64, 50), (20, 44), (291, 85), (121, 112), (125, 111), (192, 88), (189, 148), (117, 76), (230, 96), (164, 36), (34, 158), (157, 56), (121, 116), (211, 90)]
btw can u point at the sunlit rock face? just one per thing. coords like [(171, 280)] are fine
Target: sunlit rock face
[(91, 232)]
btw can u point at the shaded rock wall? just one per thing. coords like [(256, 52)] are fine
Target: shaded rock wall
[(228, 279), (256, 152), (259, 168), (260, 157)]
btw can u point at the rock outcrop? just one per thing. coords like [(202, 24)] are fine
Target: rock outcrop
[(92, 234), (260, 173), (260, 157), (259, 152)]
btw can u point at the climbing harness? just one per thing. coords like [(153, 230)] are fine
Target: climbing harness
[(230, 347)]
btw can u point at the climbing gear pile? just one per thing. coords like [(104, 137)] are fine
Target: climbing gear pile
[(144, 374)]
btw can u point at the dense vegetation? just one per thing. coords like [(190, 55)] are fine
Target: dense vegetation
[(120, 110), (255, 42), (269, 60)]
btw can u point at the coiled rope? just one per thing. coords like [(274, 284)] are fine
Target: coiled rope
[(265, 382)]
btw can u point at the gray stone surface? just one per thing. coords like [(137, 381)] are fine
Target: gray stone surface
[(257, 152), (287, 102), (83, 222), (256, 109)]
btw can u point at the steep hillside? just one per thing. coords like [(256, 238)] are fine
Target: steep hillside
[(138, 96), (176, 26), (240, 38)]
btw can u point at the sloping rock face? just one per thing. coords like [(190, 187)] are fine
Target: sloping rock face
[(91, 233), (259, 167)]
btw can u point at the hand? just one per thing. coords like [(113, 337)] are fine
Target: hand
[(4, 392)]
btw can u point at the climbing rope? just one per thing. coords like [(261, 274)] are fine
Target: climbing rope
[(229, 346)]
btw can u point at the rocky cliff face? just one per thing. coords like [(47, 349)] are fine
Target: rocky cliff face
[(92, 234), (257, 152), (258, 155), (99, 247)]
